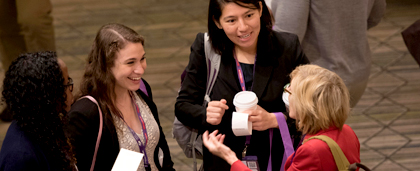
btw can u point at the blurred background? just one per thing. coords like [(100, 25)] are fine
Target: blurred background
[(386, 119)]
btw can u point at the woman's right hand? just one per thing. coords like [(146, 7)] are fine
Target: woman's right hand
[(215, 111)]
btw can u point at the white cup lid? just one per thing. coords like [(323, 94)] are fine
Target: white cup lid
[(245, 99)]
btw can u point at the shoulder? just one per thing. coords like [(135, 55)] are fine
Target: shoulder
[(315, 148), (198, 42), (199, 37), (347, 128), (16, 140), (83, 109), (18, 152), (316, 145), (84, 105), (285, 38), (310, 155), (349, 133)]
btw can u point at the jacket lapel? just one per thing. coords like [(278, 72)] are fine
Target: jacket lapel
[(263, 72), (263, 69)]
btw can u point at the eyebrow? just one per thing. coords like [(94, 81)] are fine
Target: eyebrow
[(129, 59), (250, 10)]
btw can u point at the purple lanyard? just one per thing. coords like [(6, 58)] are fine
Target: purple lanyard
[(241, 74), (142, 146), (285, 136), (242, 82)]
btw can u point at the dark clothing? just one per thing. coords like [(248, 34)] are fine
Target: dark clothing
[(83, 130), (248, 71), (21, 153), (277, 56), (411, 36)]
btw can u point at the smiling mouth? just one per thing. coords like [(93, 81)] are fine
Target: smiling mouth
[(244, 36), (134, 79)]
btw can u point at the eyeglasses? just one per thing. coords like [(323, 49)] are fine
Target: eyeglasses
[(285, 88), (70, 84)]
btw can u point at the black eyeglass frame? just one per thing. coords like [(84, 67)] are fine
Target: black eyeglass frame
[(70, 84)]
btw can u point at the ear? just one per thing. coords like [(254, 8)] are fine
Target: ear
[(261, 8), (217, 23)]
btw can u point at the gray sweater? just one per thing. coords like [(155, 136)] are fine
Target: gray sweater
[(333, 34)]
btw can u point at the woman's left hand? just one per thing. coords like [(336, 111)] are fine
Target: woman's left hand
[(261, 119), (214, 143)]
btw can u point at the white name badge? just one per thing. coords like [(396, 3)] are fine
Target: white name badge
[(240, 124), (127, 160)]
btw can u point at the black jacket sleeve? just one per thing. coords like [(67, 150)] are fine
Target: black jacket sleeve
[(188, 106)]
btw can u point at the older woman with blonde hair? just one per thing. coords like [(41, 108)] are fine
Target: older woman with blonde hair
[(319, 101)]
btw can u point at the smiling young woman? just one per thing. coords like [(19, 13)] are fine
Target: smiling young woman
[(112, 76), (241, 32)]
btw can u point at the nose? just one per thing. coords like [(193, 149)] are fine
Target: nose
[(242, 25), (139, 69)]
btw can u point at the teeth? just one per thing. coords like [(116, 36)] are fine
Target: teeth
[(245, 36), (135, 79)]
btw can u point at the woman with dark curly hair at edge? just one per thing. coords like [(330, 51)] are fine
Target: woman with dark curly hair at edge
[(253, 58), (37, 90), (112, 76)]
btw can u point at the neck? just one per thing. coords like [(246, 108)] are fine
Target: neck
[(246, 55), (122, 97)]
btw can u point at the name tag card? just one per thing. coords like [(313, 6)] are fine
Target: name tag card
[(251, 162), (127, 160)]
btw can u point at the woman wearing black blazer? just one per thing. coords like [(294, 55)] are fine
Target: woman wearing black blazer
[(241, 33), (113, 74)]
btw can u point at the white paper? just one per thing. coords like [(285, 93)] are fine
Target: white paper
[(240, 124), (127, 160)]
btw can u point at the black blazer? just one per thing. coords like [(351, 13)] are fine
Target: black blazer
[(277, 56), (83, 128)]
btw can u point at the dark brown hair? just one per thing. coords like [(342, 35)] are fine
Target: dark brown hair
[(98, 80)]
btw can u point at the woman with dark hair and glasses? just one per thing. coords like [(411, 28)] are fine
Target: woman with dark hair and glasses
[(37, 90), (253, 58)]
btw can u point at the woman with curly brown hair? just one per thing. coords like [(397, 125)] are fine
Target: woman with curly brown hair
[(115, 67), (37, 90)]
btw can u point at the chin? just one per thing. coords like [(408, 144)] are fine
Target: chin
[(134, 88)]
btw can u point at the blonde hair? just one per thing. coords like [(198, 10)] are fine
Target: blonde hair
[(320, 99)]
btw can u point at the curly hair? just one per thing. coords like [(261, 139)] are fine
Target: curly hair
[(98, 80), (34, 91)]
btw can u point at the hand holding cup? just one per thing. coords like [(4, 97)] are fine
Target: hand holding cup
[(261, 119)]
